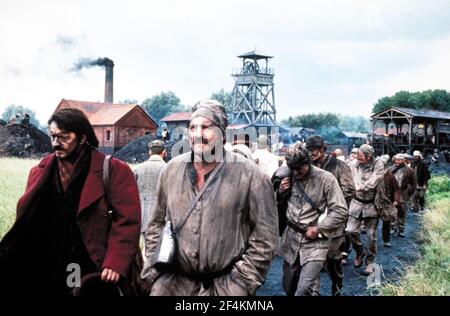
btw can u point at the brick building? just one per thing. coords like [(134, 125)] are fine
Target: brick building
[(114, 124)]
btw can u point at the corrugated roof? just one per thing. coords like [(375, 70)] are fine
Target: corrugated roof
[(175, 117), (355, 135), (254, 55), (423, 113), (238, 126), (296, 130), (100, 113), (426, 113)]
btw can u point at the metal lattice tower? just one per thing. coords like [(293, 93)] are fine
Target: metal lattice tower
[(253, 100)]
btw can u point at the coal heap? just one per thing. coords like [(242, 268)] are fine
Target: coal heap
[(24, 141), (137, 150)]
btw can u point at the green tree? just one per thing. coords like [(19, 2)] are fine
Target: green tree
[(162, 105), (429, 99), (312, 120), (129, 101), (354, 124), (328, 125), (223, 97), (13, 109)]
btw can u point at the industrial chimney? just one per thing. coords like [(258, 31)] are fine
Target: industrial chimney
[(109, 80)]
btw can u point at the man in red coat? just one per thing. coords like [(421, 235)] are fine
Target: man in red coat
[(63, 225)]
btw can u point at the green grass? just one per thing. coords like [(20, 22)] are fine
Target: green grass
[(13, 175), (430, 276)]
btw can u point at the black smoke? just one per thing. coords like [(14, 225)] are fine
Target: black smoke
[(88, 62)]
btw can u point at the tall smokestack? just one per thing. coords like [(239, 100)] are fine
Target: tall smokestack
[(109, 73), (109, 81)]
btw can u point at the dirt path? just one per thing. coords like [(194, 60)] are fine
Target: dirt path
[(392, 260)]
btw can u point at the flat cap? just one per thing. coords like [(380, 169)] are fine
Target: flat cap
[(156, 144)]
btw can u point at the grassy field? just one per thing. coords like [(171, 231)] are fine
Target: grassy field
[(13, 178), (430, 276)]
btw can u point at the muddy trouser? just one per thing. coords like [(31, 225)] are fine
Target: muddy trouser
[(354, 227), (401, 217), (419, 198), (386, 231), (347, 244), (302, 280), (334, 264)]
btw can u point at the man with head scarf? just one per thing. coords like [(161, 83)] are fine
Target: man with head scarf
[(407, 181), (319, 158), (223, 209), (316, 210), (367, 172)]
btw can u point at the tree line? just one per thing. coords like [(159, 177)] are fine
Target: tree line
[(430, 99), (328, 124)]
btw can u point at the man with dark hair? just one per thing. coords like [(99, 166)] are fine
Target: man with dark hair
[(339, 169), (165, 135), (407, 181), (420, 166), (316, 210), (147, 175), (66, 228), (223, 211), (392, 192), (26, 120)]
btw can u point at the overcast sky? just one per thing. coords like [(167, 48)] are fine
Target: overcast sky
[(329, 55)]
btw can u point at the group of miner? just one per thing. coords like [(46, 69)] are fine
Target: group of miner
[(234, 210)]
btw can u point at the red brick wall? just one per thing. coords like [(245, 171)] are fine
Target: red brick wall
[(134, 125), (101, 133)]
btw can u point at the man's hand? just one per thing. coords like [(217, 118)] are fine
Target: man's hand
[(110, 276), (312, 233), (395, 203), (284, 185)]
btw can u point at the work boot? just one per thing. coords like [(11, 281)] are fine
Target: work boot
[(369, 269), (359, 259), (344, 258)]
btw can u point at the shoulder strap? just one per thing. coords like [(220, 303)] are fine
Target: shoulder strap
[(197, 198), (308, 199), (106, 181)]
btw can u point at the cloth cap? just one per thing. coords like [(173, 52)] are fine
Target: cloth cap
[(156, 144), (297, 156), (314, 141), (212, 110)]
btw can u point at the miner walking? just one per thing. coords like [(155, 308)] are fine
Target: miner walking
[(316, 210), (223, 211), (339, 169)]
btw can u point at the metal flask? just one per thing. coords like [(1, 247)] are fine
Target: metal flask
[(165, 251)]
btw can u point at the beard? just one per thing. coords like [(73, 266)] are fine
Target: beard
[(70, 156)]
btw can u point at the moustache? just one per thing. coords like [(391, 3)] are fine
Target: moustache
[(58, 148), (198, 140)]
